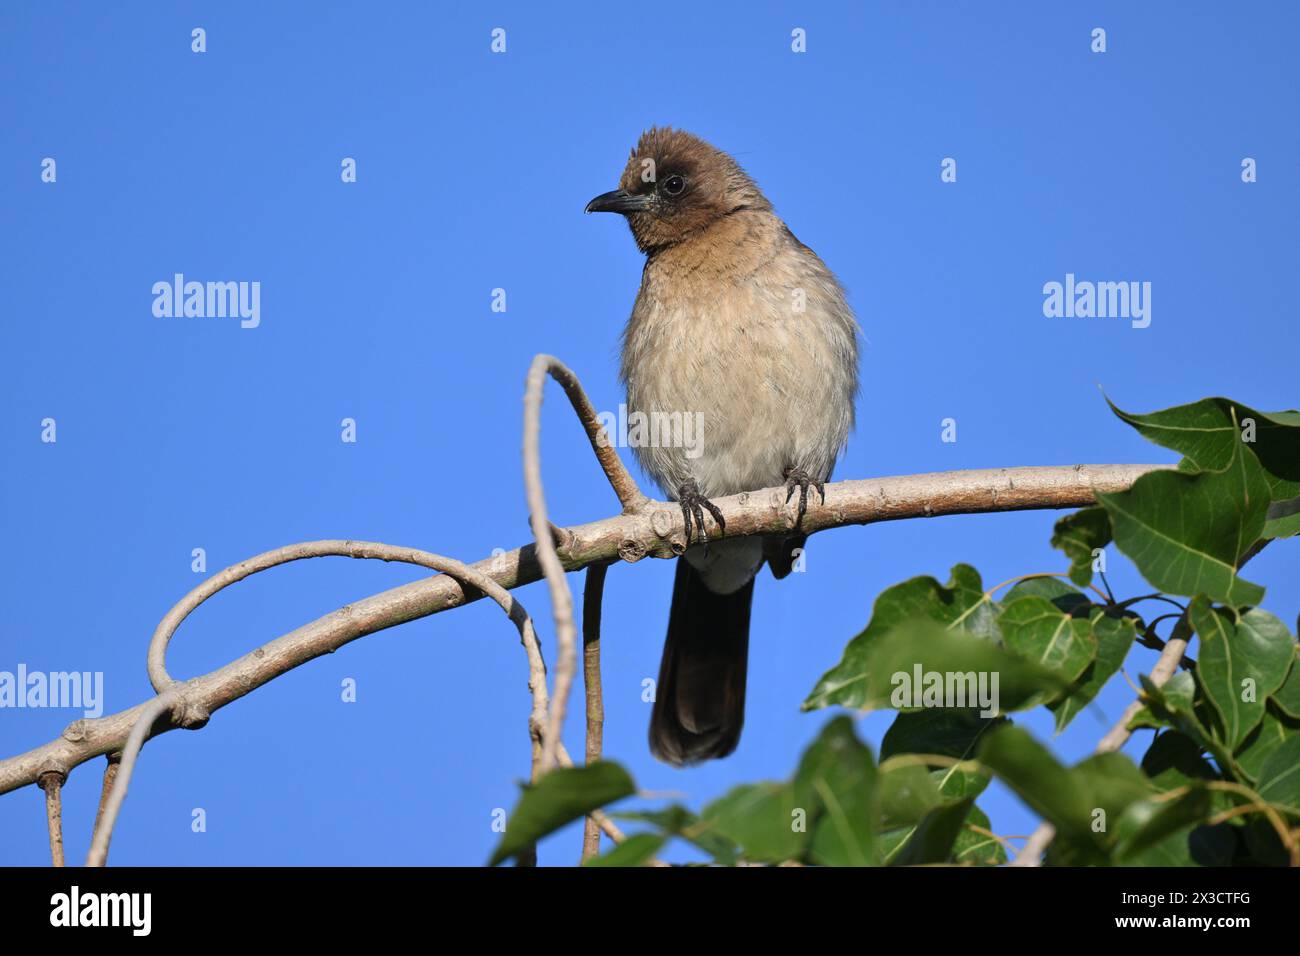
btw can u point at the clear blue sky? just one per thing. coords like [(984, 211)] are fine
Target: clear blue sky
[(473, 170)]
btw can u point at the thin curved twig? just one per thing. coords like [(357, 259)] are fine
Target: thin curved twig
[(154, 709), (173, 697), (625, 487), (547, 555), (984, 831), (361, 550)]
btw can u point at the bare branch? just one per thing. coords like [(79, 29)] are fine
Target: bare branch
[(548, 557), (608, 826), (591, 606), (52, 784), (625, 487), (656, 530), (113, 765)]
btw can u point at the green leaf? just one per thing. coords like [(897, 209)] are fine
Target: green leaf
[(1210, 433), (946, 732), (1179, 692), (1174, 760), (836, 784), (1029, 769), (677, 821), (961, 781), (1279, 780), (1079, 535), (1287, 697), (760, 818), (975, 847), (1111, 783), (636, 850), (961, 604), (560, 797), (1243, 659), (1173, 705), (828, 813), (907, 793), (1114, 636), (1283, 519), (1035, 628), (933, 838), (1274, 730), (1149, 821), (920, 666), (1084, 803), (1067, 599), (920, 822), (1186, 532)]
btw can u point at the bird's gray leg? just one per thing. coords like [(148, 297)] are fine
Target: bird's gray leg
[(695, 504), (798, 478)]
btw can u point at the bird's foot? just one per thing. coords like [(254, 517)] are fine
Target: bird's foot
[(798, 478), (694, 505)]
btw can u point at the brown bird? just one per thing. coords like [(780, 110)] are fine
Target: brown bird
[(741, 327)]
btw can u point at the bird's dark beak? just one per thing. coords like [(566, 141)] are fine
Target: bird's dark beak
[(617, 201)]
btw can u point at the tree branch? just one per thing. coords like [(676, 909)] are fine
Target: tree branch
[(52, 784), (656, 530), (591, 602), (547, 556), (106, 790), (624, 485)]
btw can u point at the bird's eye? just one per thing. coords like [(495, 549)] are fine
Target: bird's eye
[(674, 185)]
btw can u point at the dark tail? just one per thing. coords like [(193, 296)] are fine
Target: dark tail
[(699, 703), (780, 553)]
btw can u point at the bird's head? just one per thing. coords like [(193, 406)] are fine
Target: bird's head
[(676, 185)]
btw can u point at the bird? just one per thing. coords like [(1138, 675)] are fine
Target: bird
[(739, 326)]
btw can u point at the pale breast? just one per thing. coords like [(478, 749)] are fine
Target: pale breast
[(757, 362)]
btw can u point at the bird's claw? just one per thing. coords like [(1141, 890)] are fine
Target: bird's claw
[(798, 478), (694, 505)]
